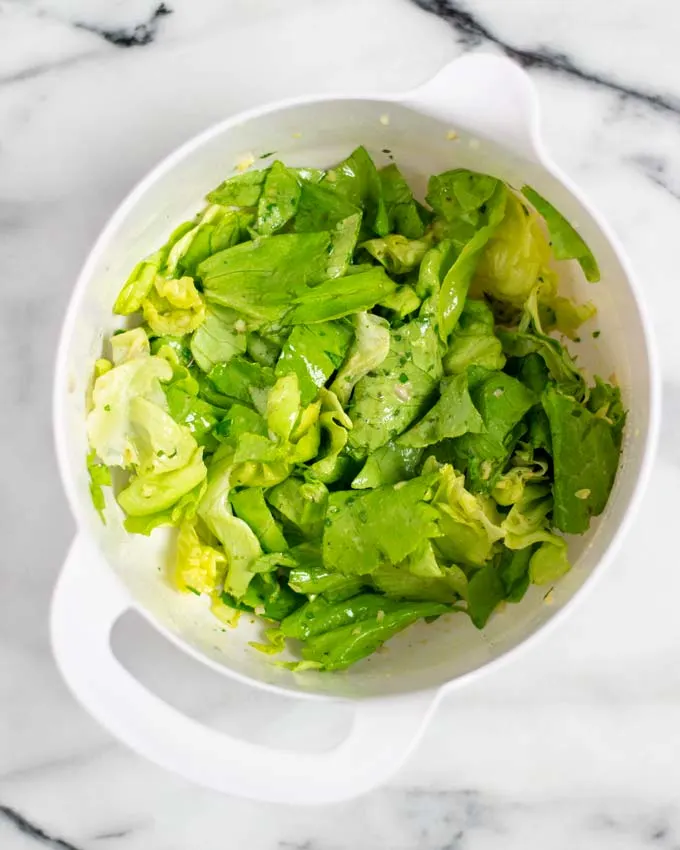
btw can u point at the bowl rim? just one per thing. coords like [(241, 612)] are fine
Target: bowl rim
[(186, 150)]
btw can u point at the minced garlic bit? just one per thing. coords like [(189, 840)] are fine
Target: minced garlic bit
[(380, 616), (297, 135), (452, 135), (486, 470), (474, 144), (385, 119), (582, 494), (245, 162), (356, 631), (498, 392), (549, 598), (240, 326), (402, 392)]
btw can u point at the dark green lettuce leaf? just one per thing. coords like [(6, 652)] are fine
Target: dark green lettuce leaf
[(485, 592), (302, 504), (334, 299), (359, 531), (322, 208), (278, 202), (313, 353), (502, 402), (452, 416), (356, 179), (402, 210), (566, 243), (585, 449)]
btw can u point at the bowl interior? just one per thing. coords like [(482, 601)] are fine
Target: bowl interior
[(319, 134)]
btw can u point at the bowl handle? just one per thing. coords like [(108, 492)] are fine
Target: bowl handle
[(87, 602), (487, 95)]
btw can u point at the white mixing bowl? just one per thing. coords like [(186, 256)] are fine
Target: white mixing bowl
[(491, 105)]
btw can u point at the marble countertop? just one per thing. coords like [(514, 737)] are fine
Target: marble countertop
[(576, 743)]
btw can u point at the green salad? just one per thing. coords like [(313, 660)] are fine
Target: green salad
[(354, 407)]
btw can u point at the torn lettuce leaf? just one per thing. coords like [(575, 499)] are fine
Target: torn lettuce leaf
[(586, 451), (517, 255), (173, 307), (260, 279), (369, 349), (198, 567), (356, 179), (387, 401), (313, 353), (402, 211), (502, 402), (474, 341), (335, 299), (451, 416), (221, 336), (279, 199), (100, 477), (335, 424), (242, 190), (566, 242), (469, 524), (396, 253), (358, 535)]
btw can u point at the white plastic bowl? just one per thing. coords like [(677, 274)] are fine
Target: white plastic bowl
[(491, 105)]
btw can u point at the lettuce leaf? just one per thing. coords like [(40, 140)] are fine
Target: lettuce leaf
[(469, 524), (359, 530), (100, 476), (485, 592), (549, 562), (566, 243), (152, 492), (386, 402), (198, 567), (586, 452), (334, 299), (238, 540), (110, 427), (401, 209), (250, 506), (220, 337), (356, 179), (260, 279), (456, 283), (173, 307), (336, 424), (369, 349), (452, 415), (396, 253), (516, 256), (302, 504), (313, 353), (502, 402), (241, 190), (474, 341), (342, 647), (388, 464), (279, 199), (322, 208)]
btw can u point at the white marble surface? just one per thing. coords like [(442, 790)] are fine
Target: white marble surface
[(577, 743)]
